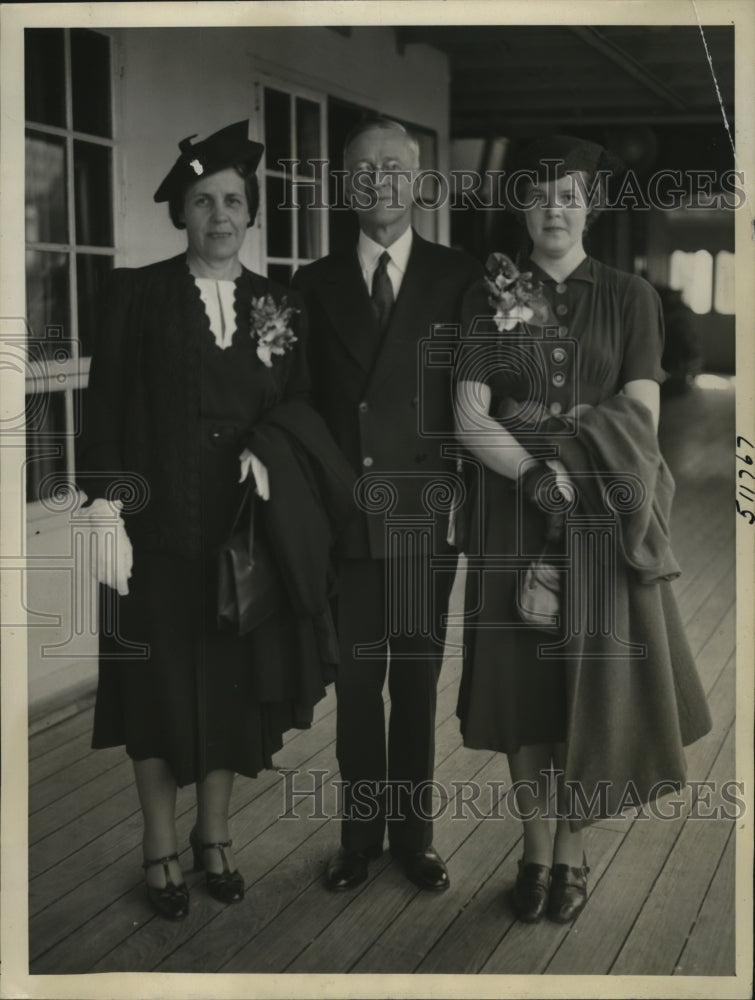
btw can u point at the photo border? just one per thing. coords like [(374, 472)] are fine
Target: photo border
[(15, 979)]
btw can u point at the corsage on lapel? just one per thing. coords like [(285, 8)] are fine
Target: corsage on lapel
[(515, 297), (270, 327)]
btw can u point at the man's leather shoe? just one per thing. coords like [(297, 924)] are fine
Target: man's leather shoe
[(425, 868), (530, 895), (348, 868)]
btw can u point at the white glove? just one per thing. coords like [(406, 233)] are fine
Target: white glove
[(563, 480), (250, 462), (113, 555)]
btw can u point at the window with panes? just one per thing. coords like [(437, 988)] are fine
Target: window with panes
[(294, 212), (69, 234)]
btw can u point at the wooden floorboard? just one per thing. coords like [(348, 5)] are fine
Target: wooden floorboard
[(77, 726), (616, 901), (709, 949), (661, 890), (668, 914)]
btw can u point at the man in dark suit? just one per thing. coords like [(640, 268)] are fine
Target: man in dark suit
[(369, 310)]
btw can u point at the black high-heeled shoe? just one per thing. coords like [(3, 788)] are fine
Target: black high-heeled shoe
[(530, 893), (172, 901), (568, 895), (225, 886)]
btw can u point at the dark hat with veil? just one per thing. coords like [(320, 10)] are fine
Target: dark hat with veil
[(551, 157), (229, 147)]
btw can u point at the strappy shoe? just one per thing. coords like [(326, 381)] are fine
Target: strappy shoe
[(530, 894), (225, 886), (172, 901), (568, 894)]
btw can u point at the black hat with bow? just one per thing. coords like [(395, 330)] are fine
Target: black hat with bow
[(229, 147)]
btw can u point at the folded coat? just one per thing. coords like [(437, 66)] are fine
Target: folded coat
[(634, 694), (311, 502)]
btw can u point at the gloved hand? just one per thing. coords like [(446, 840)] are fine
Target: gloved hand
[(113, 553), (550, 472), (563, 480), (556, 520), (250, 463)]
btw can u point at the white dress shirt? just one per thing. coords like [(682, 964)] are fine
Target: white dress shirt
[(218, 298), (369, 253)]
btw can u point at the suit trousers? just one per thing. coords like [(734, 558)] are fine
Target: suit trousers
[(385, 624)]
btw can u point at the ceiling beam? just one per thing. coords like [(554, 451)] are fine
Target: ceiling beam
[(622, 59), (475, 126)]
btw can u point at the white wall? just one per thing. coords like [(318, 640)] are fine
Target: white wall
[(175, 82)]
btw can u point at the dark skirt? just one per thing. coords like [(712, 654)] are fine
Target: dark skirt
[(174, 686), (512, 693)]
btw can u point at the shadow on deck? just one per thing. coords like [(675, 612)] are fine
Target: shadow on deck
[(662, 891)]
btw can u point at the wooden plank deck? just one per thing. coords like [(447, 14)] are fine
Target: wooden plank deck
[(662, 891)]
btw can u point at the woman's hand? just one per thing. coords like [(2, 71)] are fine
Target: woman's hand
[(114, 554), (563, 480), (250, 463)]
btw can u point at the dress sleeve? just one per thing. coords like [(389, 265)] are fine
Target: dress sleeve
[(642, 324), (474, 361), (100, 448)]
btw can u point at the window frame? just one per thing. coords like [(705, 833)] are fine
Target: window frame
[(294, 91), (73, 374)]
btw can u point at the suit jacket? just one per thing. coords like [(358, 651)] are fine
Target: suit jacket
[(387, 407)]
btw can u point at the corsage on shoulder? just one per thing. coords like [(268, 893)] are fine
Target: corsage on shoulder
[(270, 327), (513, 294)]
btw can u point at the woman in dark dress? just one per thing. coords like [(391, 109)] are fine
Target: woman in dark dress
[(556, 417), (180, 384)]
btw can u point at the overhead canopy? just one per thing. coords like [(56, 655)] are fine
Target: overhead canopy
[(507, 80)]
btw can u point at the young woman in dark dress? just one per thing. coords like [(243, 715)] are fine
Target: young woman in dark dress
[(178, 384), (524, 411)]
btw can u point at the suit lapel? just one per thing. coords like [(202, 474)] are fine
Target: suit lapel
[(347, 303), (403, 331)]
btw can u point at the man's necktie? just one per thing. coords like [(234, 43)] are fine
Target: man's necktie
[(382, 291)]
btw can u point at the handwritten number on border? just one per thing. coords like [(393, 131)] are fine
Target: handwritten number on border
[(745, 492)]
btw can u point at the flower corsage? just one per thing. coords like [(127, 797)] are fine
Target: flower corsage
[(513, 294), (270, 327)]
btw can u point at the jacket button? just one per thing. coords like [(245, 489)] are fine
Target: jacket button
[(560, 288), (367, 461), (562, 309), (363, 407)]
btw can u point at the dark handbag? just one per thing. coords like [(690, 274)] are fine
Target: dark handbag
[(539, 595), (250, 588)]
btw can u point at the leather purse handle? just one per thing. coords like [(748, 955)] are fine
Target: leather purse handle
[(247, 499)]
